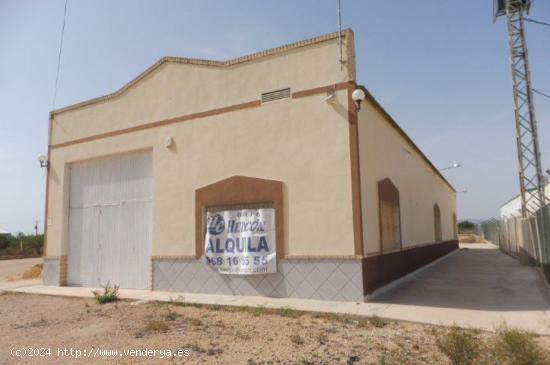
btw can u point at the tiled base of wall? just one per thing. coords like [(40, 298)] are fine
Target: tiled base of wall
[(323, 279), (326, 279), (50, 271)]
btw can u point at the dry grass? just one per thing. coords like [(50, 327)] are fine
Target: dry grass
[(377, 321), (151, 327), (297, 339), (460, 346), (507, 347), (517, 347), (33, 273), (231, 335)]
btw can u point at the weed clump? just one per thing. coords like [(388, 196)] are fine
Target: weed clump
[(109, 294), (517, 347), (459, 346), (378, 322)]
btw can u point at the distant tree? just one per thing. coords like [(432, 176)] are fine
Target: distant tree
[(21, 245), (5, 240), (464, 225), (34, 242)]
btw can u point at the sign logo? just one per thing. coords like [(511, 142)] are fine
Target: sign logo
[(241, 241), (215, 224)]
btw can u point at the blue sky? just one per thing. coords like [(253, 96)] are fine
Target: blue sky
[(439, 67)]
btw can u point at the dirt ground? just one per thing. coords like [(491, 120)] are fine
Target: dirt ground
[(216, 335), (15, 268)]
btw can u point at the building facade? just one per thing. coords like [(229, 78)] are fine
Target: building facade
[(139, 179), (512, 208)]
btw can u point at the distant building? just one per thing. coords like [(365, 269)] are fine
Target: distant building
[(4, 232), (253, 176), (512, 208)]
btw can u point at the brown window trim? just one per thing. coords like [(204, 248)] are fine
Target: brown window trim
[(239, 190), (437, 219), (388, 192), (455, 226)]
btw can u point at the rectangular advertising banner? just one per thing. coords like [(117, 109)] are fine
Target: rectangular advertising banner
[(241, 241)]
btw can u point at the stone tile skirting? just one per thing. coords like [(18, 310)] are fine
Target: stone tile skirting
[(324, 279), (334, 278), (54, 271)]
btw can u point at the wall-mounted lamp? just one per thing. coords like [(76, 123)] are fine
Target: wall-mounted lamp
[(168, 142), (331, 96), (43, 160), (358, 95)]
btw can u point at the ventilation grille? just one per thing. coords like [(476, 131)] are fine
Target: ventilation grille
[(276, 95)]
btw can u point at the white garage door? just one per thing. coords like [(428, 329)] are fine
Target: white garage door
[(110, 222)]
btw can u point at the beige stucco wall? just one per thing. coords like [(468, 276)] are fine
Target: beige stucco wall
[(303, 142), (176, 89), (384, 153)]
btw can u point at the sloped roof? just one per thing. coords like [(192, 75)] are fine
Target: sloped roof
[(546, 190), (206, 63), (405, 136)]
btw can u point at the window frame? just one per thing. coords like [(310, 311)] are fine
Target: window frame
[(389, 194), (438, 225)]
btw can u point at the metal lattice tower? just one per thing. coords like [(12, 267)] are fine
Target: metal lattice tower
[(530, 171)]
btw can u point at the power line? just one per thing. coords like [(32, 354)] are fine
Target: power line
[(536, 21), (59, 55), (541, 93)]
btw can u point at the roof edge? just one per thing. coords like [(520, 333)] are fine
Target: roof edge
[(207, 63), (405, 135), (546, 186)]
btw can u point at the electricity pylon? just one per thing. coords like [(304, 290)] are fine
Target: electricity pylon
[(530, 170)]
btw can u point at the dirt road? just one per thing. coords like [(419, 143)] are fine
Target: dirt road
[(10, 268)]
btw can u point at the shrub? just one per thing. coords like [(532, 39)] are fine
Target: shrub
[(459, 346), (287, 312), (21, 246), (377, 321), (4, 241), (517, 347), (109, 294)]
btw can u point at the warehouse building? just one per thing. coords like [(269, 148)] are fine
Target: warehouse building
[(512, 208), (272, 174)]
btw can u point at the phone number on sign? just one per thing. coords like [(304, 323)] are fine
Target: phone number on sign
[(237, 261)]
